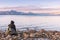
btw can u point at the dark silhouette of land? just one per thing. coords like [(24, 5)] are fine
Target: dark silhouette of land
[(13, 12)]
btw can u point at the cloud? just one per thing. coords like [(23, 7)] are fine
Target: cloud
[(33, 9)]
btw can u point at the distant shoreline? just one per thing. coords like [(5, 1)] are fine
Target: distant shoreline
[(37, 15), (14, 12)]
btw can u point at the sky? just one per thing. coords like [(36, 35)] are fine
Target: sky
[(37, 3), (46, 6)]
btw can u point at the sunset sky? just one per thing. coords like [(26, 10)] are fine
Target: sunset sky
[(38, 6)]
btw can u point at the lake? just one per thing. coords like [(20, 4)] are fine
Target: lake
[(37, 22)]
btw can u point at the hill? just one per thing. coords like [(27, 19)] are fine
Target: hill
[(13, 12)]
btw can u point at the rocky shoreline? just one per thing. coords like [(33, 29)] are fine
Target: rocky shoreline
[(32, 35)]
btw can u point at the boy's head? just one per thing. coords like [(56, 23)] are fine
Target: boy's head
[(12, 22)]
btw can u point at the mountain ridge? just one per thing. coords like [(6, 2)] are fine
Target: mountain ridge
[(13, 12)]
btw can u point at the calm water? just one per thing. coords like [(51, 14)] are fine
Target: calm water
[(39, 22)]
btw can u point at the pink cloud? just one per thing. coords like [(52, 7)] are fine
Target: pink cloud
[(35, 10)]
